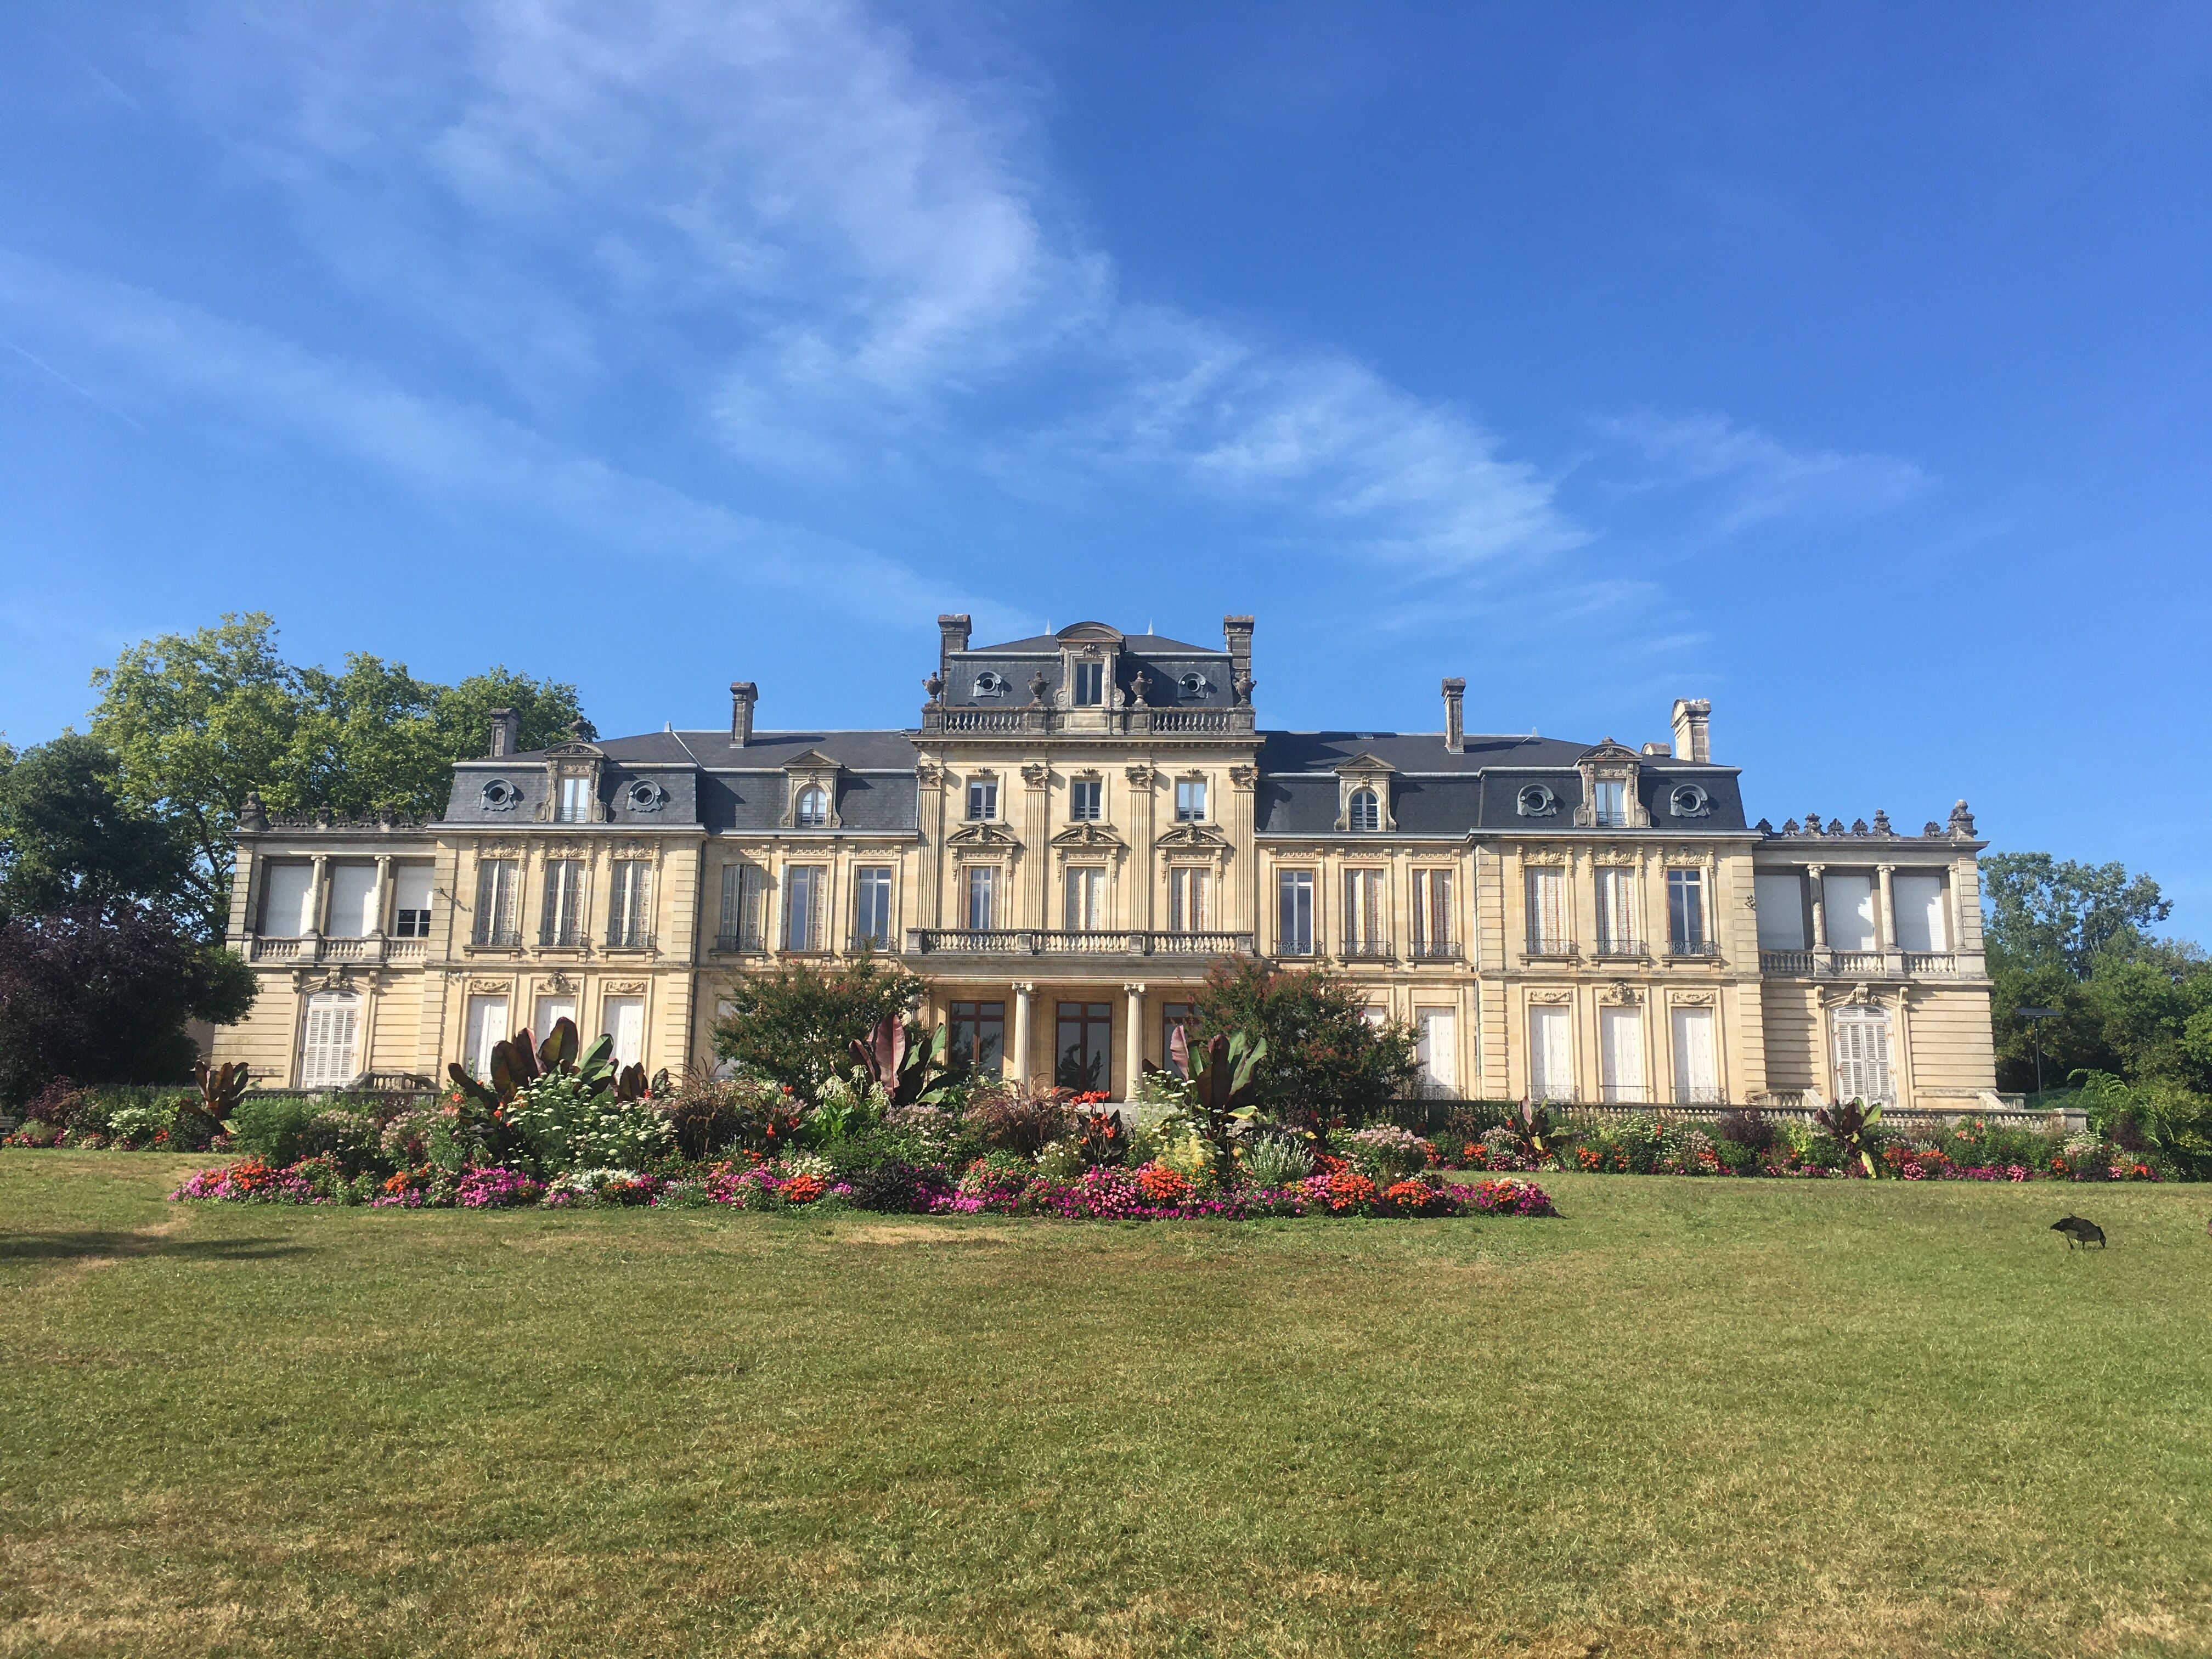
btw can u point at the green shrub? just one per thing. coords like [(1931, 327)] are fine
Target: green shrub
[(351, 1141), (566, 1125), (268, 1126)]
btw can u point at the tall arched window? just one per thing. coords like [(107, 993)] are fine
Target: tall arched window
[(1366, 809), (813, 807)]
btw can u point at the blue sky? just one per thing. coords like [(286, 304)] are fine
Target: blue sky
[(1846, 365)]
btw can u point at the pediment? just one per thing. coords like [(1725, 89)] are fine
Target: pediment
[(1608, 751), (812, 760), (575, 749), (1087, 834), (982, 834), (1191, 834), (1363, 764)]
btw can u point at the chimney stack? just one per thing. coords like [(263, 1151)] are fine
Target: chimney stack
[(506, 732), (1455, 716), (743, 693), (952, 634), (1236, 632), (1692, 741)]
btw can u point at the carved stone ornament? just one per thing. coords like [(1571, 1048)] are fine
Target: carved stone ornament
[(1549, 997), (928, 773), (1244, 777), (1691, 999), (490, 988), (1088, 834), (986, 834), (1623, 994), (1202, 835), (624, 987), (559, 983), (1141, 776), (1036, 774)]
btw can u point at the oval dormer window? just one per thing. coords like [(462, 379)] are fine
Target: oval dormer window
[(1194, 685), (501, 796), (1689, 800), (988, 684), (1366, 809), (1536, 800), (647, 796)]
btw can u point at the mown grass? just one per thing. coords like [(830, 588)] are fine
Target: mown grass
[(1692, 1417)]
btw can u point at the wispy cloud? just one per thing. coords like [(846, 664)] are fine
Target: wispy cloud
[(1757, 479)]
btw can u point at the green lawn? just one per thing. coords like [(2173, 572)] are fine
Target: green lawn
[(1692, 1417)]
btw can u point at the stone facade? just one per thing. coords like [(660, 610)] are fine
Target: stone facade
[(1079, 825)]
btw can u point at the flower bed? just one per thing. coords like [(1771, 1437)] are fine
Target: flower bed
[(1153, 1192)]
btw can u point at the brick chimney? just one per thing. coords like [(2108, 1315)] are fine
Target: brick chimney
[(506, 732), (743, 693), (1455, 716), (1692, 740)]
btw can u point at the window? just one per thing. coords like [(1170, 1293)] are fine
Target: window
[(1781, 911), (1697, 1082), (1294, 913), (287, 899), (499, 796), (1609, 803), (1083, 799), (498, 921), (1688, 801), (552, 1009), (990, 684), (561, 922), (744, 888), (1366, 811), (647, 796), (1922, 924), (1193, 686), (980, 894), (1535, 801), (979, 1035), (629, 920), (328, 1035), (622, 1018), (1616, 912), (411, 901), (813, 810), (1620, 1055), (983, 799), (1366, 913), (353, 901), (1437, 1047), (1084, 1047), (484, 1029), (1551, 1053), (1174, 1017), (1089, 684), (1848, 903), (1188, 911), (1433, 914), (1862, 1056), (1685, 912), (575, 800), (1190, 800), (1547, 911), (805, 886), (871, 907), (1085, 890)]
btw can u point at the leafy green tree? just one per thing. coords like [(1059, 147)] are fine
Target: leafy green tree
[(197, 720), (797, 1024), (2044, 910), (1325, 1061), (67, 838)]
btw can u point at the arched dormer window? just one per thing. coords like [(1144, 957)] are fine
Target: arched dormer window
[(813, 810), (1366, 810)]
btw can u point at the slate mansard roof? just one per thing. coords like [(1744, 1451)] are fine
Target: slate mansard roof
[(1165, 663), (706, 783)]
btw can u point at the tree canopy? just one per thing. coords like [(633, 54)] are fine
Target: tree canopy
[(194, 720), (1326, 1059), (796, 1024), (67, 838), (2047, 912)]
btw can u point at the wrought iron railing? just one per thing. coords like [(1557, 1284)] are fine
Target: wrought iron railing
[(1551, 944), (629, 939), (1618, 944), (1436, 950)]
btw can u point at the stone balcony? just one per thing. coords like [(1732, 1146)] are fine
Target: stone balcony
[(1826, 963), (310, 947), (1071, 942), (938, 721)]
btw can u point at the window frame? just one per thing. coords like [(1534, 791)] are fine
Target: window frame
[(1086, 800), (979, 881), (1686, 882), (1363, 811), (1296, 919), (814, 879), (984, 792), (810, 807), (1190, 803), (873, 883), (1087, 686)]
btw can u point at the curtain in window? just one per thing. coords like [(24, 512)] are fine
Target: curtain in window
[(1922, 924), (1696, 1076), (1366, 914), (327, 1042), (1862, 1056), (353, 901), (1686, 910), (495, 918), (803, 886), (1551, 1053), (1432, 912), (1086, 906), (1187, 902), (411, 901), (1848, 903), (1294, 915), (288, 900), (983, 889), (1621, 1054), (626, 905), (872, 908), (1781, 911), (564, 888), (1616, 908), (1547, 909)]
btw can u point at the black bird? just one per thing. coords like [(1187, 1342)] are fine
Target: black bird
[(2078, 1232)]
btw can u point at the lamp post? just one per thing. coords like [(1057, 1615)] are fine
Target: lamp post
[(2035, 1016)]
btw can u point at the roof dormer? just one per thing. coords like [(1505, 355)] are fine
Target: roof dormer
[(1362, 796), (1610, 800)]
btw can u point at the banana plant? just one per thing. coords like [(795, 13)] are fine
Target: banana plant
[(1532, 1126), (1221, 1090), (222, 1087), (1851, 1126), (520, 1060), (907, 1066)]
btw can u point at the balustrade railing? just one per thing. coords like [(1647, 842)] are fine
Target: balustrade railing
[(1822, 962), (1090, 722), (1072, 942)]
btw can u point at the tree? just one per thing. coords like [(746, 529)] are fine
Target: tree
[(2044, 910), (797, 1024), (1325, 1060), (67, 838), (100, 994), (197, 720)]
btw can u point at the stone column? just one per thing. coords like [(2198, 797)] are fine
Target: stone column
[(1819, 908), (318, 898), (1886, 916), (1137, 910), (1023, 995), (1133, 1042), (381, 909)]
